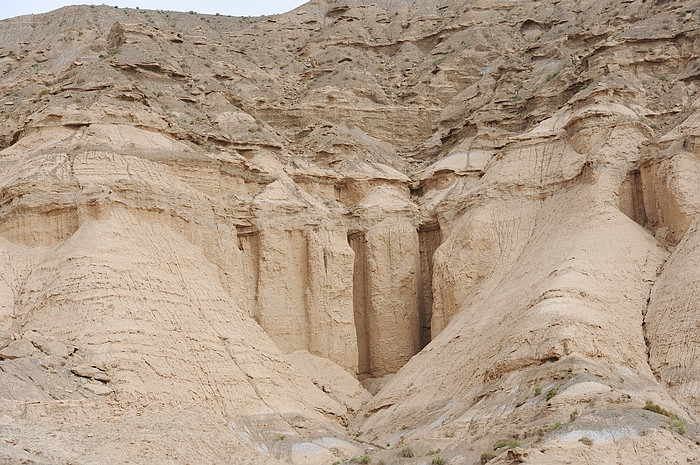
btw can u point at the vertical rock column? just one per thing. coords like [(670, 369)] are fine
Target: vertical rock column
[(430, 238), (282, 282), (386, 278), (392, 317), (305, 292), (329, 298), (361, 301)]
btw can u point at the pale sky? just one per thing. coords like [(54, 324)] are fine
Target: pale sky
[(10, 8)]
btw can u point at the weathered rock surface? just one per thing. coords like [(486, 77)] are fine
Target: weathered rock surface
[(212, 229), (17, 349)]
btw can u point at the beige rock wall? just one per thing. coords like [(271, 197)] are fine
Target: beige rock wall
[(304, 293), (672, 321), (217, 225), (557, 264), (673, 194), (393, 264), (387, 280)]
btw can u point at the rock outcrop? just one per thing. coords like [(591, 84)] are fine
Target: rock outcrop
[(218, 235)]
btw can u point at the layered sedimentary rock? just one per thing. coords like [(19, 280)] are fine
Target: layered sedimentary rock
[(218, 235)]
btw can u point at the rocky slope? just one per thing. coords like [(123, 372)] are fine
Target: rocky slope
[(409, 232)]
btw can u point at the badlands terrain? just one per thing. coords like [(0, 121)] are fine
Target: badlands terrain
[(399, 232)]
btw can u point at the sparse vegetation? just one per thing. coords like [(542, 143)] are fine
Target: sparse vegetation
[(652, 407), (486, 457), (538, 391), (362, 459), (551, 393), (438, 461), (509, 444), (573, 415), (407, 452), (678, 424)]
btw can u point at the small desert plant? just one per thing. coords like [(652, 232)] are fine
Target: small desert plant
[(407, 452), (573, 415), (509, 444), (438, 461), (551, 393), (486, 457), (538, 391), (652, 407), (678, 424), (364, 459)]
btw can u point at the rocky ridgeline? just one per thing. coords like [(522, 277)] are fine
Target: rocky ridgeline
[(410, 232)]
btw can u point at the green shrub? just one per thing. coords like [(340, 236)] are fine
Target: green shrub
[(652, 407), (407, 452), (509, 444), (438, 461)]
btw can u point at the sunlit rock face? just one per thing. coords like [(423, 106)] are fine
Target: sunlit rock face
[(409, 232)]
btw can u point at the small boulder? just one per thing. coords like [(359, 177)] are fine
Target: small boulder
[(55, 348), (88, 371), (97, 388), (17, 349)]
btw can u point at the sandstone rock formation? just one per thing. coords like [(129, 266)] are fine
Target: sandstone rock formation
[(219, 235)]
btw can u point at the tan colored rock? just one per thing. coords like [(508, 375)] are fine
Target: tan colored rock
[(331, 378), (56, 348), (86, 371), (97, 388), (17, 349), (487, 211), (5, 339), (392, 316)]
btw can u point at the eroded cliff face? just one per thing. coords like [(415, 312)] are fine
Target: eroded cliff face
[(356, 228)]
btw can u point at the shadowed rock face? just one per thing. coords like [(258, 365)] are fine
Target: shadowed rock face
[(434, 225)]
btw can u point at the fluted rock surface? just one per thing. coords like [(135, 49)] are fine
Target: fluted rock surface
[(219, 235)]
